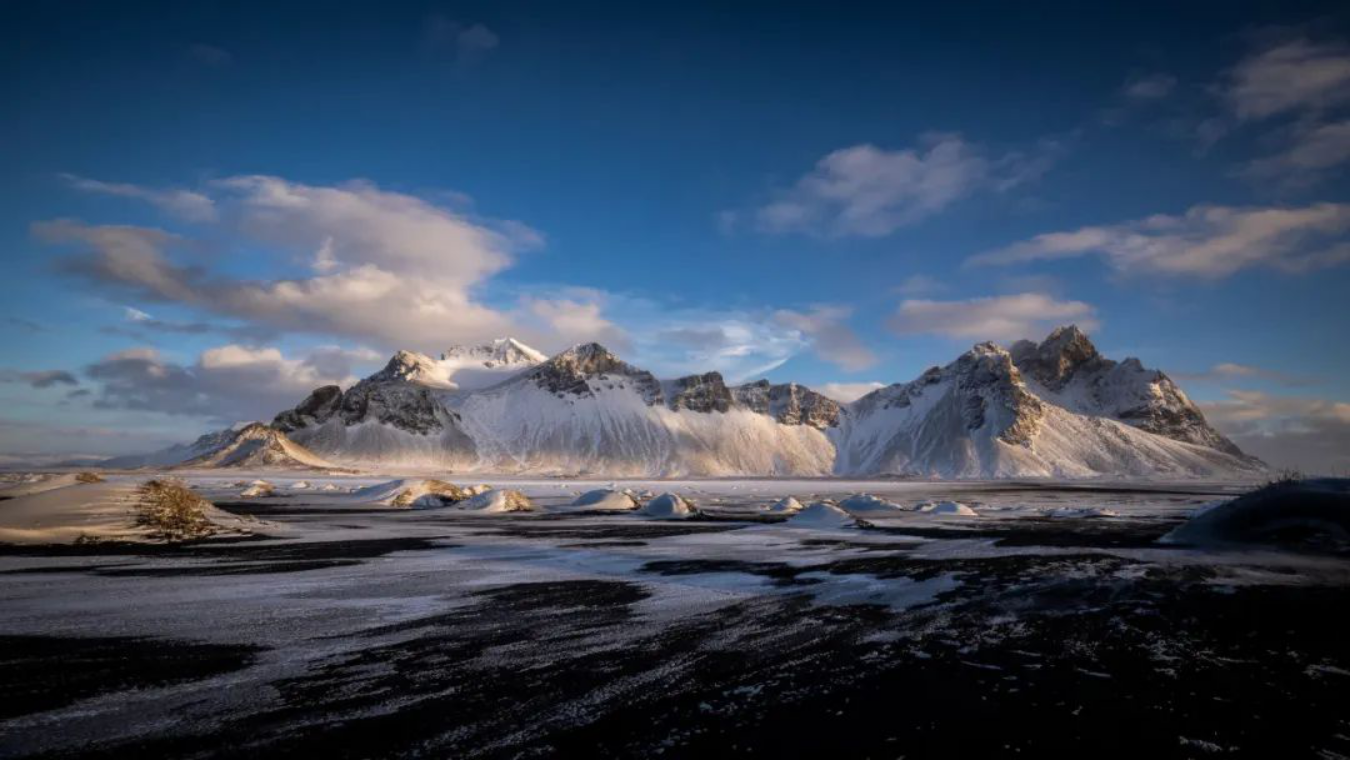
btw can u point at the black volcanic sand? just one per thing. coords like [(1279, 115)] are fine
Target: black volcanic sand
[(1068, 653)]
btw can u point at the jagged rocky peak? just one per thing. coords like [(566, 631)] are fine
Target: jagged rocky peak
[(409, 366), (789, 403), (700, 393), (994, 390), (581, 370), (501, 352), (1054, 361)]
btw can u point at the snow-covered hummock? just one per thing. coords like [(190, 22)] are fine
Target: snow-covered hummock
[(37, 483), (1081, 512), (496, 501), (257, 489), (259, 446), (978, 418), (865, 503), (669, 506), (104, 511), (784, 506), (604, 499), (822, 515), (411, 492), (1312, 514), (954, 508)]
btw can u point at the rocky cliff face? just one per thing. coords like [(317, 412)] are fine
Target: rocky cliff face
[(700, 393), (1067, 370), (789, 403)]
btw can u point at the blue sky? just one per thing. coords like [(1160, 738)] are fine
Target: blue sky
[(207, 210)]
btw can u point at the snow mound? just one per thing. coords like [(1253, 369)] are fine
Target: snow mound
[(862, 503), (668, 506), (947, 508), (258, 489), (497, 501), (37, 483), (412, 492), (1081, 512), (1298, 514), (824, 516), (98, 512), (606, 499), (785, 506), (300, 485)]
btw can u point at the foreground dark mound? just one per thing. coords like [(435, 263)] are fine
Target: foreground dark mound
[(1296, 514)]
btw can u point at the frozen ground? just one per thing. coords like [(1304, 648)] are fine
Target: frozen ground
[(1051, 621)]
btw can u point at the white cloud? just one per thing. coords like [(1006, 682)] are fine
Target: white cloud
[(831, 339), (1309, 434), (391, 268), (1294, 74), (184, 204), (866, 191), (999, 318), (573, 322), (847, 392), (1207, 241)]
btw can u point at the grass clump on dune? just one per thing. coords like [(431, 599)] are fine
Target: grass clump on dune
[(89, 477), (172, 512)]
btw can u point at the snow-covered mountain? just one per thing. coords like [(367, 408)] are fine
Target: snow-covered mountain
[(259, 445), (1071, 414), (1050, 409)]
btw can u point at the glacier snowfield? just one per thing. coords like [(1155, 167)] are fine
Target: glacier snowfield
[(1050, 621)]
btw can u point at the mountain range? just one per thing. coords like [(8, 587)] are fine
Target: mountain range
[(1053, 409)]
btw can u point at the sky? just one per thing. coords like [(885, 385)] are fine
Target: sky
[(209, 209)]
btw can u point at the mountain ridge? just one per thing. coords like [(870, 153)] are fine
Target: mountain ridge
[(1056, 408)]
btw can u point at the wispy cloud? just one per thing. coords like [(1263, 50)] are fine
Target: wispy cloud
[(39, 378), (1290, 75), (1005, 318), (847, 392), (1310, 434), (1228, 372), (210, 55), (1154, 86), (826, 328), (463, 44), (1206, 242), (868, 191), (189, 205), (225, 384)]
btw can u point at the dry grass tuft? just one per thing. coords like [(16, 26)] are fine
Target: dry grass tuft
[(172, 511), (89, 477)]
